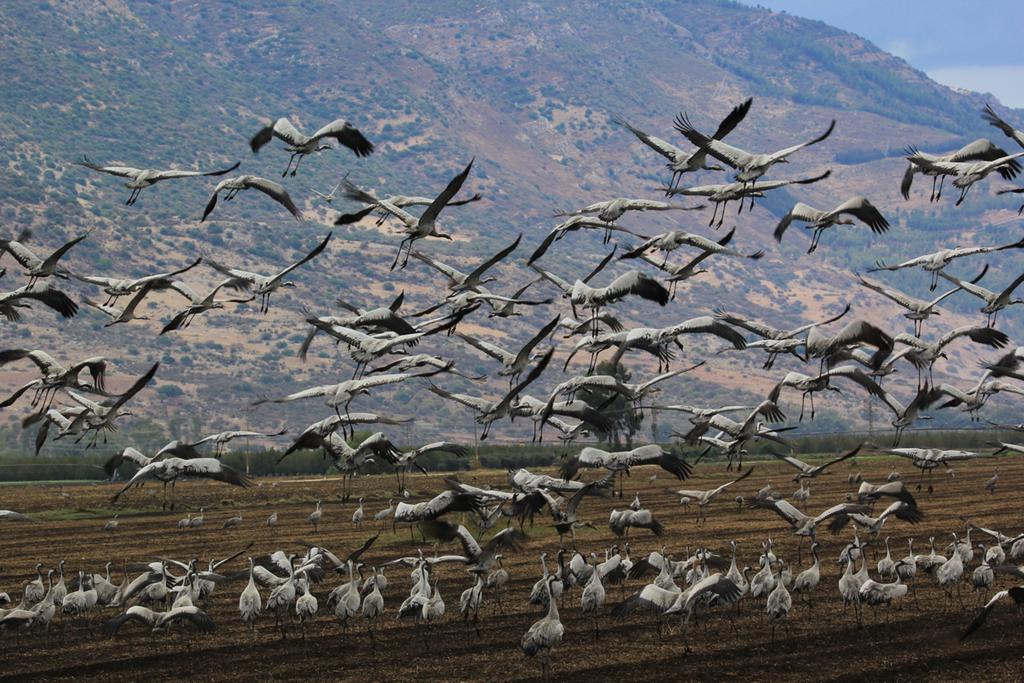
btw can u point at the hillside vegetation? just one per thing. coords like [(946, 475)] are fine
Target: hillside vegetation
[(528, 89)]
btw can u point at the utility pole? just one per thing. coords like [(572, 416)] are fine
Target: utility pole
[(476, 446), (248, 450)]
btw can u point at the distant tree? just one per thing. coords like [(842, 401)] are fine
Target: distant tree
[(626, 420)]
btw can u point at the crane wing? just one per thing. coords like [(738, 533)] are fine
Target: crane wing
[(452, 189), (346, 134)]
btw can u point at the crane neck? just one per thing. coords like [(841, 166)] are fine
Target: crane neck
[(552, 604)]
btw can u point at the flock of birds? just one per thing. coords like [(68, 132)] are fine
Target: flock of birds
[(855, 355)]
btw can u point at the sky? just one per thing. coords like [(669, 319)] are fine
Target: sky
[(973, 45)]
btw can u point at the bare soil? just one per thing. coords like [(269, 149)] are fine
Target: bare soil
[(819, 642)]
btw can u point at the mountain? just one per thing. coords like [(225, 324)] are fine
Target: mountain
[(529, 90)]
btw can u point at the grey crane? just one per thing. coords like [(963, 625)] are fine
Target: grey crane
[(358, 514), (221, 439), (424, 360), (1007, 365), (115, 287), (679, 161), (612, 210), (37, 268), (994, 302), (399, 200), (313, 435), (905, 416), (1003, 447), (936, 261), (751, 428), (348, 459), (620, 521), (580, 293), (478, 559), (489, 411), (806, 525), (161, 622), (875, 593), (203, 304), (990, 115), (563, 513), (699, 416), (818, 221), (807, 471), (631, 391), (366, 348), (778, 340), (300, 144), (330, 196), (54, 376), (807, 581), (513, 364), (574, 224), (232, 186), (859, 332), (898, 508), (927, 459), (170, 470), (1016, 594), (101, 416), (374, 320), (250, 604), (414, 228), (12, 516), (265, 285), (704, 497), (918, 310), (403, 461), (126, 314), (923, 354), (780, 602), (1013, 190), (667, 242), (544, 635), (720, 195), (749, 167), (550, 413), (683, 272), (475, 278), (461, 304), (441, 504), (965, 173), (658, 340), (974, 399), (671, 600), (869, 492), (141, 178), (621, 462), (979, 150), (809, 385), (340, 395), (13, 302)]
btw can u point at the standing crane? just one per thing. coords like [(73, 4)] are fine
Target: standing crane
[(541, 639)]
